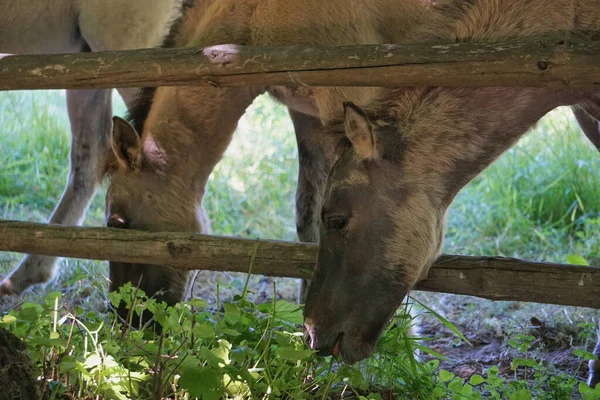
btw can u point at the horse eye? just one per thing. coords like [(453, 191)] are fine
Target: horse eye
[(336, 223)]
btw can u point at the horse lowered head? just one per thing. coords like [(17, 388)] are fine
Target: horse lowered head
[(383, 214), (380, 228), (142, 196)]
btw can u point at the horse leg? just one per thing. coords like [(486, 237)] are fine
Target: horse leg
[(315, 160), (594, 365), (90, 117), (587, 118), (102, 28)]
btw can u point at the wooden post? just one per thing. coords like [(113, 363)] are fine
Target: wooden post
[(551, 63), (487, 277)]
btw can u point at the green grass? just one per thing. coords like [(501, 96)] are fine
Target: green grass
[(537, 202)]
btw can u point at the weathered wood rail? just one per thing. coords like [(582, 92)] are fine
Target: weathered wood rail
[(550, 63), (491, 278)]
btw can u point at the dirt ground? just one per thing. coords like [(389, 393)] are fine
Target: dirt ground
[(488, 325)]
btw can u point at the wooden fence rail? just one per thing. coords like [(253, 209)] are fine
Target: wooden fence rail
[(551, 63), (487, 277)]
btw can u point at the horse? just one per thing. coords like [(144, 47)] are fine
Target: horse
[(405, 156), (70, 26), (383, 163)]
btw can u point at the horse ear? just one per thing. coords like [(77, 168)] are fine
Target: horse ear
[(359, 131), (126, 145)]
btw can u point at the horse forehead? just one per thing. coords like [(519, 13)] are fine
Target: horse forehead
[(354, 178)]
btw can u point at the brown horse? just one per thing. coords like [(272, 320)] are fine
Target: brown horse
[(404, 158), (401, 161), (69, 26)]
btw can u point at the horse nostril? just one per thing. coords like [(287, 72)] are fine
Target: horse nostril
[(309, 334)]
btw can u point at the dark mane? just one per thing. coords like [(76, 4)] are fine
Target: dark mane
[(140, 108), (176, 24), (138, 113)]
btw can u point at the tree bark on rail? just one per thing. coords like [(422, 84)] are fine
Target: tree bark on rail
[(487, 277), (551, 63)]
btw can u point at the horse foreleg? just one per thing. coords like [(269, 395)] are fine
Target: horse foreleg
[(315, 161), (586, 116), (594, 365), (90, 115)]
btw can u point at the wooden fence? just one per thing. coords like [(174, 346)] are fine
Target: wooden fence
[(540, 63), (533, 63), (489, 277)]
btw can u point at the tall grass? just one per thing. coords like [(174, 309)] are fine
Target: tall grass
[(538, 201)]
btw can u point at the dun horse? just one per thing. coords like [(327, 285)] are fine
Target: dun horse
[(401, 158), (69, 26)]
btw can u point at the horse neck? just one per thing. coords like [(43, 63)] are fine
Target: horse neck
[(455, 133), (501, 19), (192, 127)]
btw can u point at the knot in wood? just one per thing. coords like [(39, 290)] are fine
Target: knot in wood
[(543, 64), (176, 250)]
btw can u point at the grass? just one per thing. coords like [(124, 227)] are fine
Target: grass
[(536, 202)]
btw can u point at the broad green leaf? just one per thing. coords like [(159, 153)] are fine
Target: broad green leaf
[(445, 375), (467, 390), (173, 321), (210, 357), (586, 355), (205, 383), (522, 394), (50, 342), (292, 354), (149, 348), (9, 319), (222, 351), (283, 340), (231, 332), (203, 331), (28, 314), (52, 297), (235, 387), (67, 364), (476, 380), (232, 313), (198, 303), (576, 260), (456, 385), (230, 308), (588, 393), (187, 362), (239, 354), (290, 312)]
